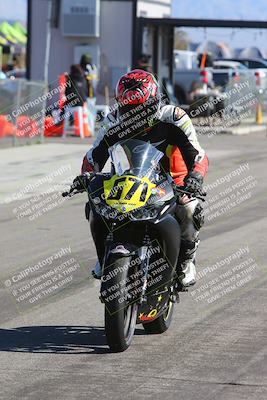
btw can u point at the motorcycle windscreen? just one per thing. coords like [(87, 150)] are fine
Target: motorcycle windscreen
[(135, 157), (135, 163)]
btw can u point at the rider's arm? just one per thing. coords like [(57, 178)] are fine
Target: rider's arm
[(96, 157), (185, 138)]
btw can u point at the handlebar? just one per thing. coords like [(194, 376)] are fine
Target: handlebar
[(72, 193), (179, 190), (73, 188)]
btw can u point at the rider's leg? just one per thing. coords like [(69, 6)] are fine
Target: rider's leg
[(99, 233), (190, 217)]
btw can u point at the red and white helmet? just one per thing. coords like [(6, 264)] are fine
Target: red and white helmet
[(136, 87)]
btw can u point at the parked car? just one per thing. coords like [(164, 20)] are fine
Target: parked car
[(225, 71), (239, 70), (222, 77), (251, 63), (185, 79), (258, 68), (185, 59), (187, 74)]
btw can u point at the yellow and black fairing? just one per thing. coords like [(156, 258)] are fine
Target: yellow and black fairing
[(127, 192)]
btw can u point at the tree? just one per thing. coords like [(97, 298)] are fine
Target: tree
[(181, 40)]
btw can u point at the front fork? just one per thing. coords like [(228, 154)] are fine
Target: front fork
[(142, 253)]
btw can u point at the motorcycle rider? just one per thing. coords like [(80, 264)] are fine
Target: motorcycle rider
[(140, 112)]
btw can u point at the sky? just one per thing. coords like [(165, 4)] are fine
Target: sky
[(13, 10), (225, 9)]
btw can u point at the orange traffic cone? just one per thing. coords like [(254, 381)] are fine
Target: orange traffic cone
[(86, 129), (81, 122), (62, 80), (78, 121)]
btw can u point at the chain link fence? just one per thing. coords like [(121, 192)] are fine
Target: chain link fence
[(22, 111)]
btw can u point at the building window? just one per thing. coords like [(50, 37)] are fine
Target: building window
[(79, 10), (143, 13)]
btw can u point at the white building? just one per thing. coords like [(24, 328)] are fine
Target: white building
[(110, 30), (154, 8)]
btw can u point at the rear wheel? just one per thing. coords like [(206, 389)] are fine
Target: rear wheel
[(120, 317), (162, 323)]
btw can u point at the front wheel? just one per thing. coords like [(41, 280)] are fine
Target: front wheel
[(162, 323), (120, 317), (120, 327)]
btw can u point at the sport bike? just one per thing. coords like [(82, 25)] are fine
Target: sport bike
[(132, 215)]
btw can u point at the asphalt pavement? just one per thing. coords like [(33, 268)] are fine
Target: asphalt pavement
[(52, 341)]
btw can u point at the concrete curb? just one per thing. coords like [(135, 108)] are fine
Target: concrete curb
[(235, 130), (245, 130)]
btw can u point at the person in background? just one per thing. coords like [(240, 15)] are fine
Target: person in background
[(78, 86), (91, 74), (144, 63), (76, 91)]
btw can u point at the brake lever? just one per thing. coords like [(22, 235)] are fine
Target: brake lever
[(73, 190), (71, 193), (201, 198)]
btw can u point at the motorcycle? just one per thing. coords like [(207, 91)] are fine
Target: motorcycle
[(133, 210)]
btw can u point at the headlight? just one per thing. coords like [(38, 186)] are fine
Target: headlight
[(106, 211), (143, 213)]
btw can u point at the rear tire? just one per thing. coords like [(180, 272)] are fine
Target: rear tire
[(162, 323)]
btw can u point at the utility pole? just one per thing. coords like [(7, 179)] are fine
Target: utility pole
[(47, 54), (48, 41)]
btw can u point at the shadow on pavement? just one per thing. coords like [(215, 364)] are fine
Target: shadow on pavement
[(56, 339)]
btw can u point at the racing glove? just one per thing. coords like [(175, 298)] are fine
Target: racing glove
[(194, 183), (80, 183)]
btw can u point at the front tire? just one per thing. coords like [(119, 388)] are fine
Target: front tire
[(120, 327), (120, 318), (162, 323)]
